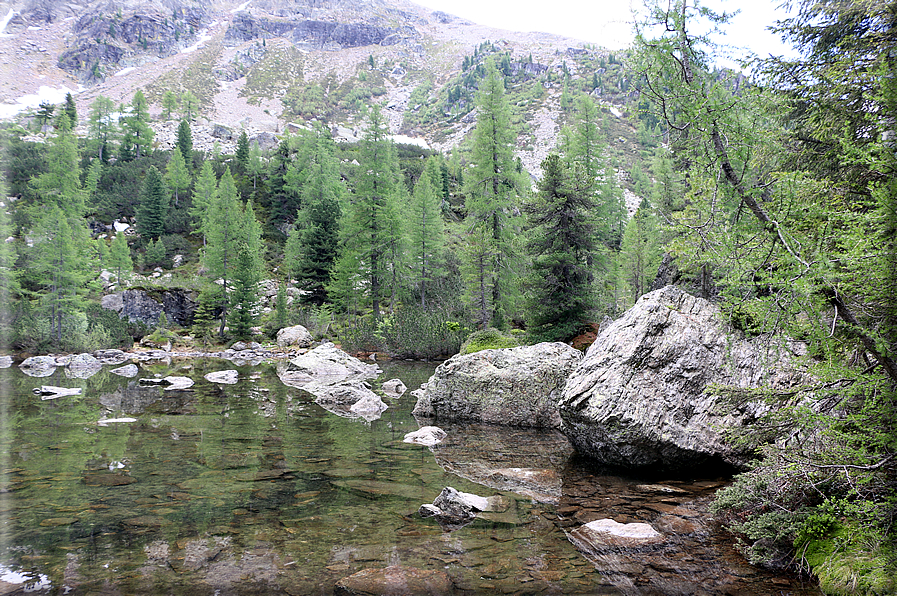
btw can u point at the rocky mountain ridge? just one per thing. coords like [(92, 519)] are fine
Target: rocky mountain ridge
[(261, 65)]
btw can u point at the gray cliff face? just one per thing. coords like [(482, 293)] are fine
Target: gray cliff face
[(319, 34), (108, 37), (141, 306), (638, 398), (513, 386)]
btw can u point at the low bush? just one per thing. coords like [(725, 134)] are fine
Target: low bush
[(488, 339)]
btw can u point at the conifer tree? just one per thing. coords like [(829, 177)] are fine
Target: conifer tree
[(639, 253), (102, 126), (138, 134), (154, 201), (313, 243), (244, 299), (185, 142), (241, 156), (169, 104), (120, 258), (224, 234), (493, 187), (560, 240), (370, 226), (176, 175), (426, 230), (8, 283), (204, 193), (189, 105), (71, 110)]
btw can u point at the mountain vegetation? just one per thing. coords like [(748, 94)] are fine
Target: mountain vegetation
[(774, 195)]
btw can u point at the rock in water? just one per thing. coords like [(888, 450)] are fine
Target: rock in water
[(638, 397), (394, 387), (326, 363), (129, 370), (395, 581), (225, 377), (50, 392), (426, 436), (296, 335), (38, 366), (515, 386), (603, 533)]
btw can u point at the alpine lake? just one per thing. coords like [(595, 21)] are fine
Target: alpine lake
[(253, 488)]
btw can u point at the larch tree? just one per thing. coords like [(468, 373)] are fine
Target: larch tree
[(189, 105), (176, 174), (205, 191), (370, 225), (120, 258), (138, 135), (493, 187), (224, 237), (426, 229), (102, 126), (639, 253), (169, 104)]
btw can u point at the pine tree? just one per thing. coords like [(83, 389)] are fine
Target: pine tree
[(185, 142), (154, 201), (155, 253), (176, 175), (426, 230), (560, 240), (244, 299), (493, 186)]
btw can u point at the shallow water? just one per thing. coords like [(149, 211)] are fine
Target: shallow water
[(254, 489)]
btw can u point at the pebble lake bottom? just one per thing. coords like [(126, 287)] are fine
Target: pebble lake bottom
[(253, 488)]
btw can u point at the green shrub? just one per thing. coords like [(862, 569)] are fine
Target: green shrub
[(488, 339)]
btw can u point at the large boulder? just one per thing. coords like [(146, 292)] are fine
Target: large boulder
[(641, 396), (83, 366), (325, 364), (297, 335), (146, 307), (515, 386), (38, 366)]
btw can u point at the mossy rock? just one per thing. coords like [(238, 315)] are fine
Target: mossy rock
[(487, 339)]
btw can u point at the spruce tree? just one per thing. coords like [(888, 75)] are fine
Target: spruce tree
[(185, 142), (154, 201), (241, 156), (560, 239)]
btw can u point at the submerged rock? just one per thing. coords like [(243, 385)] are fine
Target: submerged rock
[(111, 357), (347, 398), (5, 361), (426, 436), (169, 383), (639, 397), (83, 366), (395, 581), (454, 509), (514, 386), (603, 533)]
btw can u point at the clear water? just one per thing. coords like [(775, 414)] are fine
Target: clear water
[(254, 489)]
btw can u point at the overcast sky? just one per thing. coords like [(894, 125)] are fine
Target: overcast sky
[(608, 22)]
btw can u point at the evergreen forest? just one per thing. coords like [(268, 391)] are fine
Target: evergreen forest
[(773, 195)]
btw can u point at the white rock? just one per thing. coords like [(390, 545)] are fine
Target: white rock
[(426, 436), (225, 377)]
